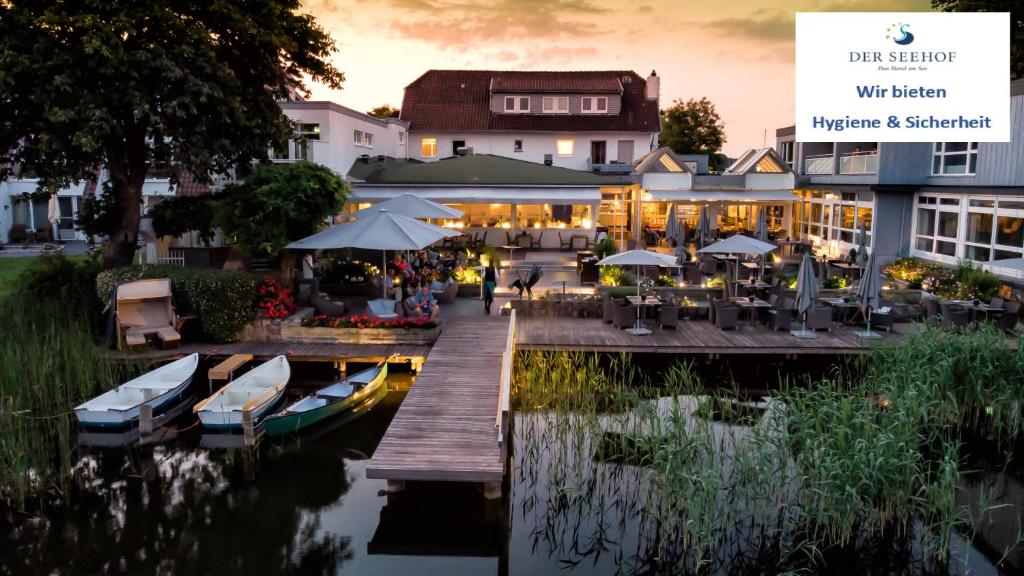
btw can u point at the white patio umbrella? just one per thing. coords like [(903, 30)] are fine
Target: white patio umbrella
[(703, 227), (739, 244), (671, 226), (53, 215), (378, 230), (761, 228), (1007, 266), (868, 292), (639, 258), (806, 292), (862, 249), (412, 206)]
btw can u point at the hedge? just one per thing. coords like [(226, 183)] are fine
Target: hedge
[(222, 300)]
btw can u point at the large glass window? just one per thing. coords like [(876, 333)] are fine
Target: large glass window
[(993, 228), (1009, 231), (428, 147), (954, 158)]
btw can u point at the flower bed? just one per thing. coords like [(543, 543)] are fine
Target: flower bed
[(275, 301), (360, 329)]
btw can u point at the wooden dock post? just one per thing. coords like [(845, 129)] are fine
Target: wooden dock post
[(145, 420), (248, 434)]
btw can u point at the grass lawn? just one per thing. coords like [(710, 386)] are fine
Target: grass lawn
[(11, 268)]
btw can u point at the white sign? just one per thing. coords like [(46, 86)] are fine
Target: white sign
[(903, 77)]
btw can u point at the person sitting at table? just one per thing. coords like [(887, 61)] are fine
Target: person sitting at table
[(420, 262), (426, 306)]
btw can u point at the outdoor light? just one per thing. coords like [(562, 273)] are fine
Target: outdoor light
[(536, 224), (587, 223), (506, 224)]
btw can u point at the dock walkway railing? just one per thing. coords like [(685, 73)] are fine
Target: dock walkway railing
[(505, 383)]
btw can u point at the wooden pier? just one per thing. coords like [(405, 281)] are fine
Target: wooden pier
[(690, 337), (452, 426), (296, 352)]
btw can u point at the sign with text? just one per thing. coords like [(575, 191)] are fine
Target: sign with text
[(903, 77)]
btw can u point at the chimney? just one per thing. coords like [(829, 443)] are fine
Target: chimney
[(653, 86), (364, 158)]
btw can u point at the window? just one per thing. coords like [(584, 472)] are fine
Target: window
[(367, 139), (993, 228), (517, 104), (556, 105), (357, 137), (594, 105), (362, 138), (954, 158), (401, 136), (517, 145), (787, 153), (308, 131), (836, 216), (428, 147), (565, 147)]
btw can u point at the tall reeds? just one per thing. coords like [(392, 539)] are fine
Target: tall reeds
[(868, 459), (49, 363)]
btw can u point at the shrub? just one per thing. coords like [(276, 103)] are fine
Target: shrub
[(613, 275), (834, 282), (222, 300), (60, 279), (666, 280), (274, 299), (914, 271), (605, 248), (366, 321)]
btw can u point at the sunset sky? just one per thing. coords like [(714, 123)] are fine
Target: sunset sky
[(738, 53)]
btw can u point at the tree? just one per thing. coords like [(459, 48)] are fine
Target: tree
[(278, 204), (1016, 11), (692, 127), (183, 214), (385, 111), (125, 86)]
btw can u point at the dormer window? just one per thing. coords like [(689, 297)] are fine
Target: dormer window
[(556, 105), (594, 105), (517, 104)]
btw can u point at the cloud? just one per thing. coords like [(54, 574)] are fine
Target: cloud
[(773, 26), (464, 24)]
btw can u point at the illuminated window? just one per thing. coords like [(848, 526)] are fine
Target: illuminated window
[(428, 147), (564, 147), (556, 105)]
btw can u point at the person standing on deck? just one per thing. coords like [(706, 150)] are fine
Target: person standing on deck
[(490, 281)]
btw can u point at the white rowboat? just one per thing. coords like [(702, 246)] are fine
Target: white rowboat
[(256, 392), (162, 389)]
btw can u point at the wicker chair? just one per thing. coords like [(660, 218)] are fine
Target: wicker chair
[(955, 316), (668, 316), (564, 243), (819, 319), (19, 233), (727, 315), (624, 316), (781, 316), (608, 309), (1011, 314)]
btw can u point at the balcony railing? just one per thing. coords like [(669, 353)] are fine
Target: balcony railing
[(823, 164), (858, 163)]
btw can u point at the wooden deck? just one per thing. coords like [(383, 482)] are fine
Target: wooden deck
[(691, 337), (296, 352), (446, 428)]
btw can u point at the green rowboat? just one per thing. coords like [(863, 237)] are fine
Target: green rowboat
[(326, 402)]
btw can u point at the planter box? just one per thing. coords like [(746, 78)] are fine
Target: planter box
[(468, 291), (299, 333)]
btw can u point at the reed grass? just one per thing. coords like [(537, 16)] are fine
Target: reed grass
[(865, 460), (50, 363)]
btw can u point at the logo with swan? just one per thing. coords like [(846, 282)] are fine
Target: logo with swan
[(899, 34)]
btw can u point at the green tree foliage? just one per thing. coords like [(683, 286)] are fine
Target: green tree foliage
[(1016, 10), (183, 214), (124, 86), (693, 127), (278, 204), (385, 111)]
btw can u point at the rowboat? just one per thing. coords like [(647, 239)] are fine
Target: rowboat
[(256, 392), (326, 402), (163, 389)]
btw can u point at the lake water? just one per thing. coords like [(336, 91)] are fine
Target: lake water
[(304, 506)]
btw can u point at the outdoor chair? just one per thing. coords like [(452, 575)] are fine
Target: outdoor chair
[(996, 303), (1011, 314), (932, 311), (608, 309), (18, 233), (535, 243), (524, 240), (509, 241), (955, 316), (693, 275), (446, 295), (727, 316), (144, 309), (535, 275), (43, 233), (624, 316), (324, 305), (781, 316), (819, 319), (383, 309), (563, 242), (668, 316)]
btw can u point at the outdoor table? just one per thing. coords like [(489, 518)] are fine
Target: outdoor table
[(847, 268), (511, 250), (842, 308), (979, 308), (644, 302), (582, 255), (750, 306), (690, 307), (573, 238)]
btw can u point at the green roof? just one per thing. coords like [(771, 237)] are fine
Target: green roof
[(476, 170)]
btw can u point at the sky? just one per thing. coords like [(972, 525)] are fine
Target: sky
[(737, 53)]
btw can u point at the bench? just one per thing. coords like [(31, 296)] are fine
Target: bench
[(225, 370)]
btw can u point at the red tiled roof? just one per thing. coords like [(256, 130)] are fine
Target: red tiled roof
[(188, 186), (452, 100), (600, 82)]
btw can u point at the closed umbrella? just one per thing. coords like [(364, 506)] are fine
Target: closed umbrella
[(761, 230), (862, 249), (412, 206), (53, 215), (806, 292), (671, 225), (868, 293), (639, 258), (703, 227), (380, 229)]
